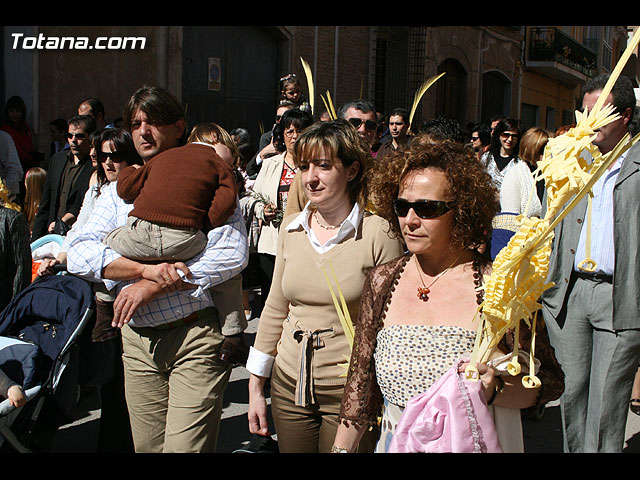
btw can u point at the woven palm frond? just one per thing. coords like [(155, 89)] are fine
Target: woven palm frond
[(518, 278)]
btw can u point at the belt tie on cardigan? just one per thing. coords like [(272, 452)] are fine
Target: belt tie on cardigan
[(309, 341)]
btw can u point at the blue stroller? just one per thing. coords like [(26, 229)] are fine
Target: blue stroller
[(41, 331)]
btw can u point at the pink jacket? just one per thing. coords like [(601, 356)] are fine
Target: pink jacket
[(451, 417)]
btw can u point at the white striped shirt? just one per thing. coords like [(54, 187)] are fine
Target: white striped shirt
[(225, 255), (602, 244)]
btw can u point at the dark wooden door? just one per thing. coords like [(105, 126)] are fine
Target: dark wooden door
[(230, 77)]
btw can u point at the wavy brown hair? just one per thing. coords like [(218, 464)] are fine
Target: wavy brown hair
[(475, 197)]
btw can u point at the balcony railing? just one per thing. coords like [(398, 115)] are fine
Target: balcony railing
[(552, 45)]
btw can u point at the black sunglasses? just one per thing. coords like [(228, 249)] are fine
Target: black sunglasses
[(422, 208), (368, 124), (79, 136), (115, 157)]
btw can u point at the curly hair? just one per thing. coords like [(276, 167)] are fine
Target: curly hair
[(476, 199)]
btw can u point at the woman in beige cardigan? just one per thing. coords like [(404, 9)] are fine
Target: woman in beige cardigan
[(272, 189), (301, 344)]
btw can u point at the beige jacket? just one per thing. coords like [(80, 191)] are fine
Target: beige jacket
[(267, 183)]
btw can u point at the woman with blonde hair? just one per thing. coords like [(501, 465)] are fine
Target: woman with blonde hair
[(301, 344), (34, 184)]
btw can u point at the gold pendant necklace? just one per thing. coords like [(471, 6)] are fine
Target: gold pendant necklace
[(423, 291)]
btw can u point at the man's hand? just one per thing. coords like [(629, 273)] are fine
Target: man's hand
[(166, 275), (268, 151), (132, 298)]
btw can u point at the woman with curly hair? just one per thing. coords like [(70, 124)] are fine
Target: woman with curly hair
[(417, 315)]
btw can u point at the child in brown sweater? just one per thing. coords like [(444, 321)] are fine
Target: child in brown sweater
[(178, 196)]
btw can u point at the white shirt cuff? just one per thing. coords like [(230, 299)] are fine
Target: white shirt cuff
[(259, 363)]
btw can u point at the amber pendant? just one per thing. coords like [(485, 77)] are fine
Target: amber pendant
[(423, 293)]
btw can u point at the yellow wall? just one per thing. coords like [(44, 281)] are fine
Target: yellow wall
[(545, 92)]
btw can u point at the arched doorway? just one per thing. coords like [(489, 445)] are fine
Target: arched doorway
[(496, 96), (451, 93)]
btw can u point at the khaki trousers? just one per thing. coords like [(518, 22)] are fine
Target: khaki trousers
[(147, 241), (309, 429), (174, 385)]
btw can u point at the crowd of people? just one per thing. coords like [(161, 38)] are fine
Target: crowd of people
[(367, 239)]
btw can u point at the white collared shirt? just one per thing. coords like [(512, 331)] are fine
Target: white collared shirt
[(602, 242), (350, 224)]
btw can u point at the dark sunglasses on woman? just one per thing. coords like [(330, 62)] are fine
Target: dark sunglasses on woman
[(422, 208), (368, 124), (114, 156)]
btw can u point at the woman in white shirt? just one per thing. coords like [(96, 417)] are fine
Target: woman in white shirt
[(502, 154), (519, 193)]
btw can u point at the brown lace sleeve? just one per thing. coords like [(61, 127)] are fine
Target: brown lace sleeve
[(362, 399)]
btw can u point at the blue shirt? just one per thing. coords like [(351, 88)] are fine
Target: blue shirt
[(602, 246)]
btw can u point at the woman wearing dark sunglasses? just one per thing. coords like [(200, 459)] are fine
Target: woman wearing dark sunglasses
[(418, 313), (113, 150), (503, 149)]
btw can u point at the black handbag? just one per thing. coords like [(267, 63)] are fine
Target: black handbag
[(60, 228)]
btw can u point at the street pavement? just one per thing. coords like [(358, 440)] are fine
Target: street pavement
[(80, 436)]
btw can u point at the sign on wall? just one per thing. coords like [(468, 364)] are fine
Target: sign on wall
[(215, 77)]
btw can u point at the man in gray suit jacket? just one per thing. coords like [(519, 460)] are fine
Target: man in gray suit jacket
[(593, 317)]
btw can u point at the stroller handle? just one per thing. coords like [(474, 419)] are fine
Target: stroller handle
[(60, 267), (51, 237)]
